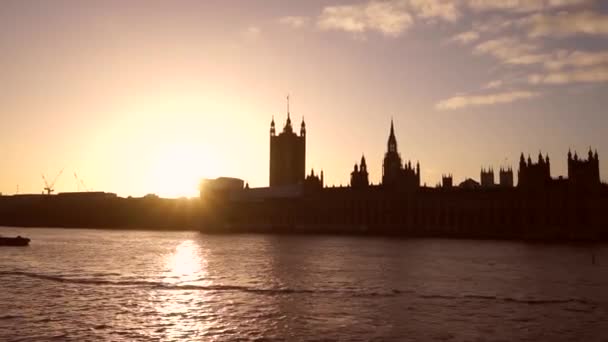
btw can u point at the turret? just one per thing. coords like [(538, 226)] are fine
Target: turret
[(273, 131), (303, 128), (363, 164)]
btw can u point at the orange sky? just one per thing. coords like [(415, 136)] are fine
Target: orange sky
[(151, 96)]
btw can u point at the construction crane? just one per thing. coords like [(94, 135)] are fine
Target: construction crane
[(80, 183), (50, 187)]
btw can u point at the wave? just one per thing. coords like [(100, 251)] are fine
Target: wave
[(529, 301), (167, 286), (287, 291)]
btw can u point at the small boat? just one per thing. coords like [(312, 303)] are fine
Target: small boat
[(14, 241)]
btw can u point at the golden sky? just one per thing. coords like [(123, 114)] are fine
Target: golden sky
[(145, 97)]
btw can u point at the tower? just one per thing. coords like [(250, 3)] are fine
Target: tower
[(506, 177), (287, 153), (395, 173), (359, 178), (532, 175), (584, 173), (487, 178)]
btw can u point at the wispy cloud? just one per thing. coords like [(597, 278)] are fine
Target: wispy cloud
[(465, 37), (577, 59), (462, 101), (294, 21), (493, 84), (522, 5), (593, 75), (511, 50), (251, 33), (566, 24), (390, 18), (431, 9)]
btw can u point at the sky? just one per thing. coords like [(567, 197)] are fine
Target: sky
[(138, 97)]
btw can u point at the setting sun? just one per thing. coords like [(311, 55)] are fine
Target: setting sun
[(180, 167)]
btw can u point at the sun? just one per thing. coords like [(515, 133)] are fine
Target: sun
[(180, 167)]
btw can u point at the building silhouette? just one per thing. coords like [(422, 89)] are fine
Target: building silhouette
[(287, 154), (396, 175), (534, 175), (584, 173), (506, 177), (359, 178), (539, 207), (487, 177)]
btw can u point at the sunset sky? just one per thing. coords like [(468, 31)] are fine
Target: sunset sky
[(150, 96)]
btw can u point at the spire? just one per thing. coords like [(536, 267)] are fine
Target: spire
[(547, 158), (363, 162), (392, 141), (303, 127), (569, 154), (596, 156)]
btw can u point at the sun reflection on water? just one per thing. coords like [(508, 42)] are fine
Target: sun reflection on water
[(186, 264), (184, 312)]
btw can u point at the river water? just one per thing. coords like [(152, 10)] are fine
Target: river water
[(78, 285)]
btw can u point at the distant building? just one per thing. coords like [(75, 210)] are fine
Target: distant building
[(359, 178), (447, 181), (396, 175), (287, 154), (487, 178), (220, 186), (534, 175), (506, 177), (584, 173), (469, 184)]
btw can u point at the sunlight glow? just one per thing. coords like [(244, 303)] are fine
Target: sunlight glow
[(180, 167)]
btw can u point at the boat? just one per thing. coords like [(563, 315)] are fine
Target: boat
[(14, 241)]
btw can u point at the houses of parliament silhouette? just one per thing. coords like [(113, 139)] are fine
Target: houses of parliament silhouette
[(538, 206)]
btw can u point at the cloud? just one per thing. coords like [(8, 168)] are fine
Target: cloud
[(465, 37), (511, 50), (389, 18), (251, 32), (492, 24), (522, 5), (594, 75), (463, 101), (493, 84), (428, 9), (577, 59), (294, 21), (565, 24)]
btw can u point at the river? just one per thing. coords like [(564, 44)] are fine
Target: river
[(77, 285)]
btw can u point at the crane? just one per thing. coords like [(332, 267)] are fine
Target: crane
[(80, 183), (50, 187)]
